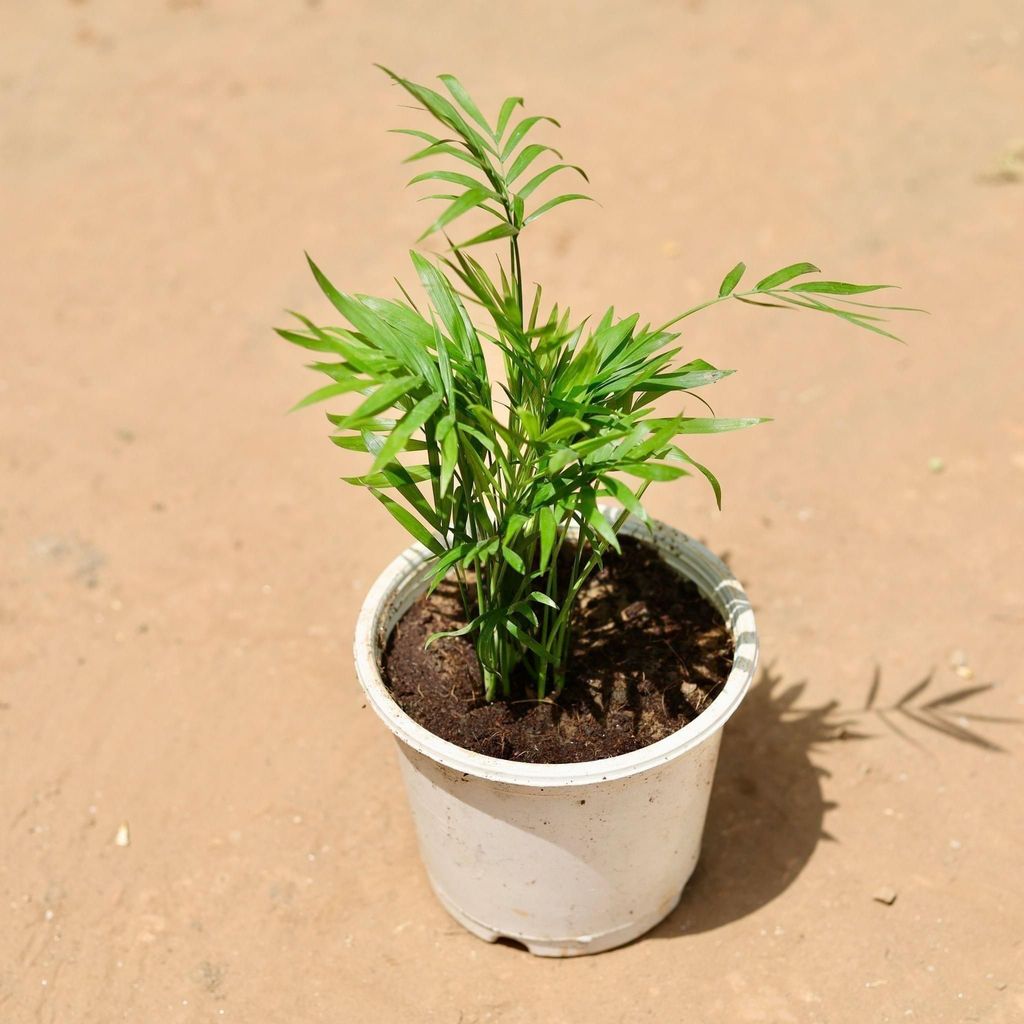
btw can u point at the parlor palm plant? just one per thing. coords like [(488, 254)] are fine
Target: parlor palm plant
[(501, 479)]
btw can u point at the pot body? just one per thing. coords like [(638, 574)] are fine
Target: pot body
[(566, 859)]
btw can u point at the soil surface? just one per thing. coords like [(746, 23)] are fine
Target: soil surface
[(648, 654), (181, 569)]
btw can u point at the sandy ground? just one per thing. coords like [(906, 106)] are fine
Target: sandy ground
[(181, 566)]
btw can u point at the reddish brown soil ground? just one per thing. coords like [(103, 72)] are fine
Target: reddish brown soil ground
[(181, 566)]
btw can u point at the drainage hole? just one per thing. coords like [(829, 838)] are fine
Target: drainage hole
[(504, 940)]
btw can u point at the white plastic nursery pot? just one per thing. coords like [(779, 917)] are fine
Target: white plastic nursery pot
[(566, 859)]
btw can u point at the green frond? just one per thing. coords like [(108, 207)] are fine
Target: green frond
[(495, 476)]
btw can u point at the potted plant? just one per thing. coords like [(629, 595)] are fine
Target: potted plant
[(558, 761)]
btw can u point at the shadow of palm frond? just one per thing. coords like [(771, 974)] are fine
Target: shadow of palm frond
[(942, 713), (768, 807)]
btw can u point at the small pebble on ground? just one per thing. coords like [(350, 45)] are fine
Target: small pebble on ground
[(886, 894)]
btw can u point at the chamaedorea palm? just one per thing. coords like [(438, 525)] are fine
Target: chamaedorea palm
[(501, 479)]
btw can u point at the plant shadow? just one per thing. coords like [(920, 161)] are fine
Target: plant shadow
[(768, 807)]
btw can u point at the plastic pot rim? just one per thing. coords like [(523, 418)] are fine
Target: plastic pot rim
[(404, 580)]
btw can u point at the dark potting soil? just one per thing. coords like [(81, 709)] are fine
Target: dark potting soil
[(648, 654)]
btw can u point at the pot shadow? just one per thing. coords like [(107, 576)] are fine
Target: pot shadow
[(768, 806)]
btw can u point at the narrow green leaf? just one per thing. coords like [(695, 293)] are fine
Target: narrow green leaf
[(659, 471), (535, 308), (404, 480), (716, 487), (732, 279), (513, 559), (543, 599), (784, 275), (483, 439), (449, 633), (314, 342), (342, 373), (449, 459), (806, 301), (330, 391), (417, 133), (535, 182), (561, 458), (505, 113), (411, 524), (565, 427), (595, 517), (408, 297), (395, 476), (358, 443), (452, 177), (837, 287), (336, 298), (459, 554), (469, 199), (516, 522), (695, 374), (519, 132), (714, 425), (384, 397), (465, 101), (552, 203), (407, 426), (547, 527), (525, 639), (490, 235), (443, 148), (625, 496), (526, 157), (764, 305)]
